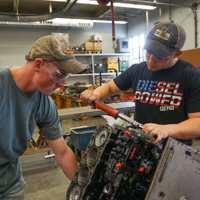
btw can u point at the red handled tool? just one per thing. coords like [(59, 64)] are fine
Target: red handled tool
[(115, 113)]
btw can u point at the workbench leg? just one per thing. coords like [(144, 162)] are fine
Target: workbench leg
[(55, 162)]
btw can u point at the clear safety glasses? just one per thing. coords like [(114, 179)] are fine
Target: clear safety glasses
[(55, 74), (150, 55)]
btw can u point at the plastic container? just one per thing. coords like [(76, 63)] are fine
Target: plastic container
[(80, 137)]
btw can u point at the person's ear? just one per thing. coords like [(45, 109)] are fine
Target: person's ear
[(178, 53), (37, 64)]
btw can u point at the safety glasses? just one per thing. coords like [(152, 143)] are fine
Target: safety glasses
[(150, 55), (55, 74)]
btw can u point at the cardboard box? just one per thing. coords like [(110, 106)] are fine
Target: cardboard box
[(65, 35), (88, 46), (110, 59), (97, 46), (96, 38), (112, 65)]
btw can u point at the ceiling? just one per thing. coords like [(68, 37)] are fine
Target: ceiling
[(38, 10)]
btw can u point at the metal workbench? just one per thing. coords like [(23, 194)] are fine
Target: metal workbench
[(69, 113)]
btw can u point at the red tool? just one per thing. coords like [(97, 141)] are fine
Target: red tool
[(116, 113)]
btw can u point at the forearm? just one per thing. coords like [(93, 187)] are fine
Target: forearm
[(187, 129), (107, 90), (68, 163)]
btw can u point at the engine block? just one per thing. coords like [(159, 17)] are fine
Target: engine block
[(118, 164)]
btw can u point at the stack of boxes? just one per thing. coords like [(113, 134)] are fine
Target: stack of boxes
[(88, 46), (120, 64), (95, 44), (112, 62)]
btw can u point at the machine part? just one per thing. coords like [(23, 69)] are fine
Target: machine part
[(116, 114), (121, 169), (75, 193), (114, 163), (82, 48), (101, 137), (92, 157), (83, 176), (76, 48), (176, 170)]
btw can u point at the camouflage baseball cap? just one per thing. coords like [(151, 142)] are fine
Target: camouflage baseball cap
[(56, 49)]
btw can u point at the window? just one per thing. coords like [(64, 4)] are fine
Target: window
[(137, 43)]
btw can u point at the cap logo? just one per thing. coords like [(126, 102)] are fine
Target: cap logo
[(163, 33), (68, 50)]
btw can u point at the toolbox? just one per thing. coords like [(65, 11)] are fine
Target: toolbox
[(98, 67), (80, 137)]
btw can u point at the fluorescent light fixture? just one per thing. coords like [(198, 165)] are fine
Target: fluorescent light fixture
[(65, 20), (122, 5), (107, 21)]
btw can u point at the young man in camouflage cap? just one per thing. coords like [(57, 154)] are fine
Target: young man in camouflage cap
[(166, 88), (25, 102)]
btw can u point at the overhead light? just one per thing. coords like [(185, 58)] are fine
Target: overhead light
[(107, 21), (122, 5), (65, 20)]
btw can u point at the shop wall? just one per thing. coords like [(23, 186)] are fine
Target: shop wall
[(181, 15), (15, 42)]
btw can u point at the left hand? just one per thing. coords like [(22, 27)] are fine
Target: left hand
[(160, 131)]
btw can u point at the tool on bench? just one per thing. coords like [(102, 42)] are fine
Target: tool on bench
[(115, 113)]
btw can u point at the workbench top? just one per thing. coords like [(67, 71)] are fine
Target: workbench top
[(69, 113)]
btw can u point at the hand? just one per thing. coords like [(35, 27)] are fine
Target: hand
[(88, 96), (161, 131)]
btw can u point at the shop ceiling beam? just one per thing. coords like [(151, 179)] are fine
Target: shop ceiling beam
[(27, 18)]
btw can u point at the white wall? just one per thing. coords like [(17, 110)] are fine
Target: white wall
[(15, 42), (181, 15)]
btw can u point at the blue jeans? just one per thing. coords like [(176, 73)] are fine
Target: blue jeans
[(15, 192)]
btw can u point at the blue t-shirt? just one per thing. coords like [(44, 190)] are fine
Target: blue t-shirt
[(164, 96), (19, 112)]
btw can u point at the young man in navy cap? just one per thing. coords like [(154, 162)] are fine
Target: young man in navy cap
[(166, 88), (25, 102)]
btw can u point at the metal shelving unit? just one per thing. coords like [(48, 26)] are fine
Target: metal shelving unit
[(91, 59)]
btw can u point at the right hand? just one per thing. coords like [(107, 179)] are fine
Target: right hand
[(88, 96)]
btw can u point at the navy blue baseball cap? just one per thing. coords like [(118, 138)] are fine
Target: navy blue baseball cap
[(164, 38)]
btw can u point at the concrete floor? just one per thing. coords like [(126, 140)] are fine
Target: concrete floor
[(44, 181)]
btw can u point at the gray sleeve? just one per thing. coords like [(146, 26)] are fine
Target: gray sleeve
[(48, 119)]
